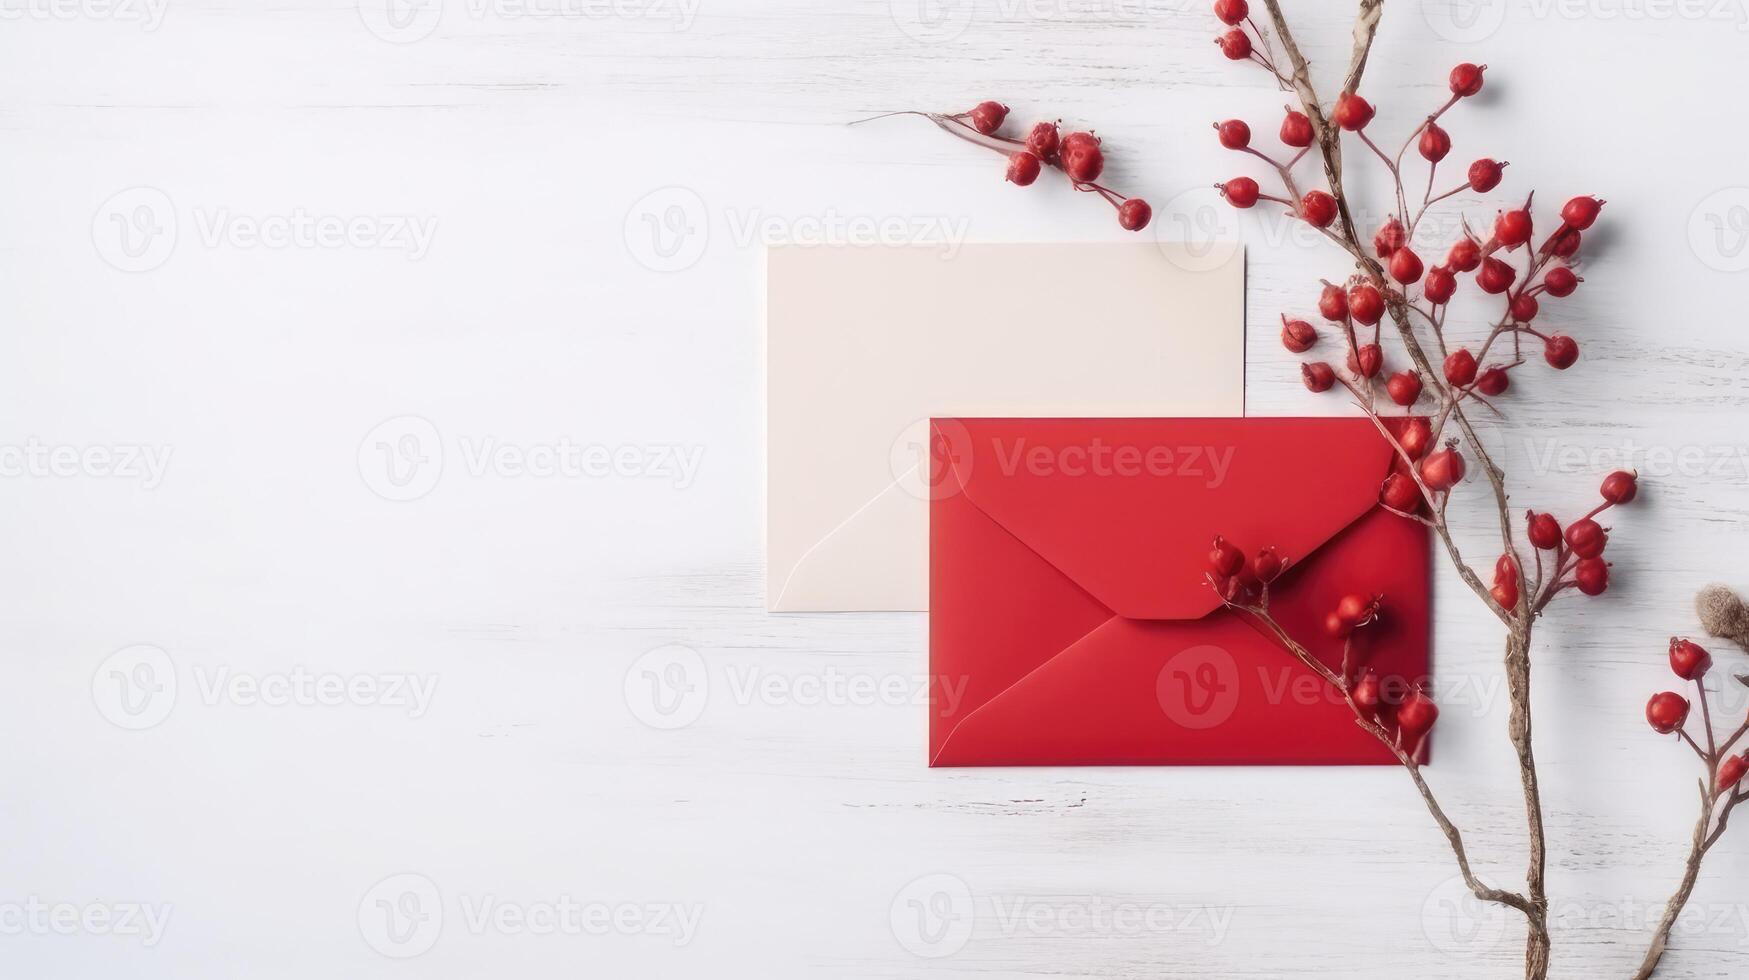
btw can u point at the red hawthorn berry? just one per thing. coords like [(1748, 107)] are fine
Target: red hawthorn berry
[(1565, 243), (1416, 437), (1297, 335), (1621, 487), (1493, 381), (1513, 228), (1591, 575), (1460, 367), (1405, 265), (1580, 212), (1731, 772), (1485, 175), (1506, 567), (987, 116), (1296, 129), (1266, 565), (1042, 140), (1318, 376), (1465, 255), (1333, 303), (1440, 286), (1352, 112), (1689, 659), (1134, 214), (1666, 712), (1358, 610), (1404, 387), (1225, 560), (1524, 307), (1368, 361), (1023, 167), (1435, 143), (1240, 192), (1399, 492), (1561, 351), (1234, 134), (1390, 237), (1318, 208), (1587, 538), (1232, 12), (1543, 530), (1443, 469), (1466, 79), (1334, 626), (1416, 715), (1496, 276), (1081, 157), (1560, 282), (1505, 592), (1367, 694), (1235, 44), (1365, 304)]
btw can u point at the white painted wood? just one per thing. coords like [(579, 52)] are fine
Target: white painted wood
[(536, 312)]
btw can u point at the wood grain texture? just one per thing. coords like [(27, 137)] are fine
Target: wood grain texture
[(594, 189)]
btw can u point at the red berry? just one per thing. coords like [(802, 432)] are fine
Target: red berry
[(1390, 237), (1466, 79), (1440, 286), (1621, 487), (1231, 11), (1240, 192), (1023, 167), (1234, 134), (1544, 530), (987, 116), (1416, 437), (1560, 282), (1666, 712), (1506, 568), (1317, 376), (1731, 772), (1297, 335), (1399, 492), (1513, 228), (1493, 381), (1689, 659), (1416, 715), (1465, 255), (1333, 303), (1435, 143), (1561, 351), (1505, 592), (1352, 112), (1042, 140), (1460, 367), (1485, 175), (1365, 304), (1404, 387), (1134, 214), (1367, 694), (1496, 276), (1368, 361), (1443, 469), (1565, 243), (1591, 575), (1235, 44), (1266, 565), (1580, 212), (1296, 129), (1405, 265), (1334, 626), (1357, 610), (1524, 307), (1224, 560), (1587, 538), (1318, 208), (1081, 157)]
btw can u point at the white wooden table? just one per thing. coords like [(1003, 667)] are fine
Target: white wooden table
[(386, 737)]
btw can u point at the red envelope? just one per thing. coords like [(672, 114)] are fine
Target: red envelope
[(1070, 621)]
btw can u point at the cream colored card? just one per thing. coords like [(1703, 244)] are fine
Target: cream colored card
[(864, 345)]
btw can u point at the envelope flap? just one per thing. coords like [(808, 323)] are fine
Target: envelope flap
[(1127, 508)]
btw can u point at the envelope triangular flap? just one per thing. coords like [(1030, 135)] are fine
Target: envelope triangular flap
[(1127, 508)]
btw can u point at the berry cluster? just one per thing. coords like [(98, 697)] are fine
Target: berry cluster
[(1077, 155), (1667, 712)]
